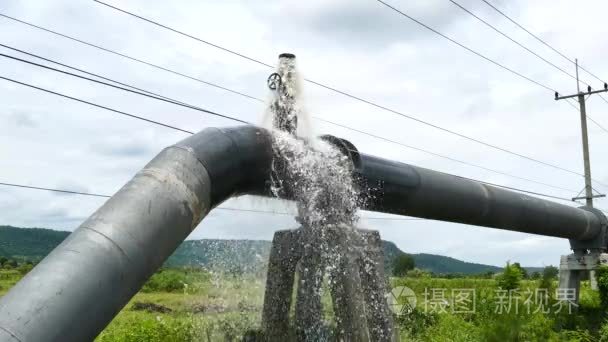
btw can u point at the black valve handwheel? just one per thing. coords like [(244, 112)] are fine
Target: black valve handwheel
[(274, 81)]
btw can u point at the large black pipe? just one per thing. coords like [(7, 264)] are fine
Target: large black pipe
[(403, 189), (78, 288)]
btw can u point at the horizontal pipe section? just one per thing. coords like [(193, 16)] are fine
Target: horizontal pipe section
[(78, 288), (402, 189)]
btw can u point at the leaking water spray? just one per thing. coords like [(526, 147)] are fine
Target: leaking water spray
[(318, 175), (285, 85)]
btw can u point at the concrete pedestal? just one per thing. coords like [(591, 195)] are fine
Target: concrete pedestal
[(284, 257), (354, 262), (572, 268)]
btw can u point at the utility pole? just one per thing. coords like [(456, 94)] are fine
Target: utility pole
[(589, 196)]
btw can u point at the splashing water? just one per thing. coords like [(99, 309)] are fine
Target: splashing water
[(286, 110), (312, 172), (319, 178), (285, 107)]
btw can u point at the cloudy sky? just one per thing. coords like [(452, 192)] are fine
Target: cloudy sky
[(358, 46)]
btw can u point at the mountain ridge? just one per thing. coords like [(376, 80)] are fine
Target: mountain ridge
[(239, 255)]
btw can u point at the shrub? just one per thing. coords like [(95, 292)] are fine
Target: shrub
[(416, 321), (502, 328), (176, 279), (418, 273), (25, 268), (518, 327), (538, 327), (402, 264), (604, 332), (10, 264), (166, 281), (524, 273), (510, 277), (578, 336), (449, 328), (550, 272), (601, 275), (546, 282)]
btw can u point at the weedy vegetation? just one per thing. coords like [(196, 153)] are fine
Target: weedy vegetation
[(192, 304)]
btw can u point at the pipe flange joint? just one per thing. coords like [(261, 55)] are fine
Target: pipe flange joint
[(346, 147), (599, 242)]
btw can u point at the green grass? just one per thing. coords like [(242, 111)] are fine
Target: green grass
[(485, 324), (211, 307), (8, 278)]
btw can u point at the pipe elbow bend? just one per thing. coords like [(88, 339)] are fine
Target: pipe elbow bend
[(237, 159)]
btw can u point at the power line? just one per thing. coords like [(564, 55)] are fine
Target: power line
[(588, 117), (80, 70), (597, 124), (156, 66), (501, 33), (517, 189), (82, 193), (312, 81), (546, 44), (465, 47), (511, 39), (185, 131), (488, 59), (215, 85), (188, 35), (91, 194), (140, 91), (373, 103), (123, 113), (179, 129), (178, 103), (539, 39), (327, 87), (270, 66), (96, 105), (395, 219), (504, 35), (73, 192), (316, 118), (442, 156)]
